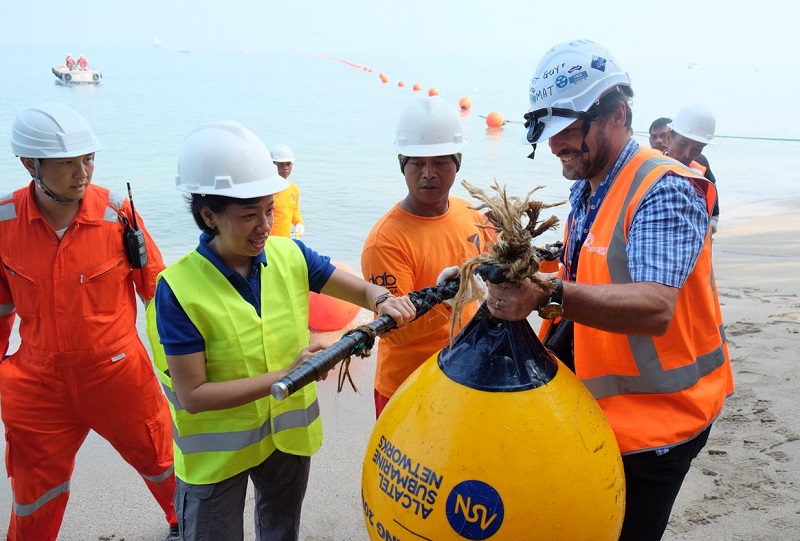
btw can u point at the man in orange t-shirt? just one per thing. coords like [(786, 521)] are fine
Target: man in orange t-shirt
[(427, 231)]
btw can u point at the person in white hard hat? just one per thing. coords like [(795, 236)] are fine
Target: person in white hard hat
[(427, 231), (229, 320), (83, 63), (691, 131), (69, 61), (80, 365), (636, 282), (287, 202)]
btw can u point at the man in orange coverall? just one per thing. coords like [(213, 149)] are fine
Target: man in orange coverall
[(80, 364), (425, 232)]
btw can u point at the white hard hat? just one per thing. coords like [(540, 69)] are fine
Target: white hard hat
[(569, 80), (429, 127), (282, 153), (225, 158), (696, 123), (52, 130), (69, 54)]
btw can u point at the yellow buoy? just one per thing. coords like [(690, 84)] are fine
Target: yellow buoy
[(493, 439)]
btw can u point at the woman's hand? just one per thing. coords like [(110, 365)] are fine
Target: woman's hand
[(401, 309), (305, 354)]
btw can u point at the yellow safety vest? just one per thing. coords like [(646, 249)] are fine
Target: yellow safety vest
[(212, 446)]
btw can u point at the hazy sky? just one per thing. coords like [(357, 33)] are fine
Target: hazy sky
[(700, 31)]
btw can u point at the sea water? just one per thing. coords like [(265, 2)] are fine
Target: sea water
[(340, 121)]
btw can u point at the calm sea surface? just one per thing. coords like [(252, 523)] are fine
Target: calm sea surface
[(340, 122)]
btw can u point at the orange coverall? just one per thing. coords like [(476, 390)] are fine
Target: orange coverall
[(80, 364)]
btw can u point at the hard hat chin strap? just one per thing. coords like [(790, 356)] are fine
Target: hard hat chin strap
[(535, 124), (45, 190)]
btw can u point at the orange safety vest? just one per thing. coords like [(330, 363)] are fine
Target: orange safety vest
[(656, 391), (698, 167)]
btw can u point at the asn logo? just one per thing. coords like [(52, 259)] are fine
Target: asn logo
[(474, 510), (386, 280), (589, 242)]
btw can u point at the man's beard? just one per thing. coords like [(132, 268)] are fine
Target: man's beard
[(587, 164)]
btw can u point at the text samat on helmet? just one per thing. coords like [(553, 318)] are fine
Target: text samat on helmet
[(429, 127), (696, 123), (568, 81), (225, 158), (52, 130)]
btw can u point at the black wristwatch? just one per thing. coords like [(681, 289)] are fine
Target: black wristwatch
[(553, 308)]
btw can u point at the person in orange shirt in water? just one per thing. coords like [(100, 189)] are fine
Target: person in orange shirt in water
[(287, 203), (427, 231)]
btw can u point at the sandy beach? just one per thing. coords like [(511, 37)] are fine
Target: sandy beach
[(745, 485)]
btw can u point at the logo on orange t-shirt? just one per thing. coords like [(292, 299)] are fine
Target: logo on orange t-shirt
[(386, 280)]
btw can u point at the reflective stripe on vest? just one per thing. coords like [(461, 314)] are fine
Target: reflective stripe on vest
[(652, 378), (236, 441)]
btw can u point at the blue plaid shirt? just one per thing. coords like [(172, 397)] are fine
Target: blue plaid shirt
[(667, 232)]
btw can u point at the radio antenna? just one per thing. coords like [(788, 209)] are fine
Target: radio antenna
[(133, 210)]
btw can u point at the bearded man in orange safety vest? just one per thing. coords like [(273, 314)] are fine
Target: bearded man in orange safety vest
[(635, 283)]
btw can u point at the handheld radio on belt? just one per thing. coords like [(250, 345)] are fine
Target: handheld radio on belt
[(133, 239)]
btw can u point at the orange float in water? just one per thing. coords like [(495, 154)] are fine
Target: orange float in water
[(495, 120), (417, 87), (329, 313), (433, 91), (384, 78), (465, 103), (401, 84)]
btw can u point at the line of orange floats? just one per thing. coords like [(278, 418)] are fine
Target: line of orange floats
[(493, 119)]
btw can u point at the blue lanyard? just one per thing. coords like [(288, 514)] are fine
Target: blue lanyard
[(576, 239)]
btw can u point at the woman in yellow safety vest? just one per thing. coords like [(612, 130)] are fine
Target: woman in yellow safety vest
[(230, 319)]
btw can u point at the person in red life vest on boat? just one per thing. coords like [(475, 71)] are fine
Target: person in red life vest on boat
[(69, 61), (80, 365), (635, 281), (82, 62)]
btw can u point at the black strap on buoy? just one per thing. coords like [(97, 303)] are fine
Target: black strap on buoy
[(359, 340)]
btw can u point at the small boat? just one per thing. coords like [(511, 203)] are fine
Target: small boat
[(77, 76), (157, 43)]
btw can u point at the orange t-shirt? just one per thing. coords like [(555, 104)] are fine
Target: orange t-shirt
[(404, 253), (287, 211)]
